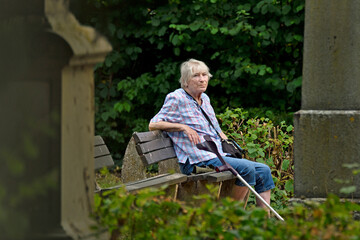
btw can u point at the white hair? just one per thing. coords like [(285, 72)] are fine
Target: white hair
[(188, 68)]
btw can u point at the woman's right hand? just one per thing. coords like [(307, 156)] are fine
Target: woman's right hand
[(192, 134)]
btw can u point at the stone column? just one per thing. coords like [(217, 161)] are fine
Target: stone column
[(46, 120), (327, 128)]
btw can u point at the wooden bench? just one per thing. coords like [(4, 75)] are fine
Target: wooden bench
[(155, 147), (103, 159)]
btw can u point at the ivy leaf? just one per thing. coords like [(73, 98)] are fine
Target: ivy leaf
[(289, 128), (177, 51), (298, 38), (162, 31), (112, 29), (197, 7), (348, 190), (195, 26), (105, 116), (175, 40), (104, 92), (289, 185), (286, 9), (155, 22), (285, 165)]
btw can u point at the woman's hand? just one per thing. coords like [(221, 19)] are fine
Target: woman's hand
[(192, 134), (222, 135)]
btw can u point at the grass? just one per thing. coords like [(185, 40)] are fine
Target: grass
[(105, 178)]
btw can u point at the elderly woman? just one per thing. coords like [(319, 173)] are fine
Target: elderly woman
[(183, 118)]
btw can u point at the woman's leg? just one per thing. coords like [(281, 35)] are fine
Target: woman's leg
[(266, 196), (239, 192), (264, 184), (255, 174)]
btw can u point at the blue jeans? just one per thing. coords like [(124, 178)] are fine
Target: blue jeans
[(254, 173)]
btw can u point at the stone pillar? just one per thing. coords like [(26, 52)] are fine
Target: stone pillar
[(327, 128), (47, 120)]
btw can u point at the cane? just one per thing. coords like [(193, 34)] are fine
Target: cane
[(210, 146)]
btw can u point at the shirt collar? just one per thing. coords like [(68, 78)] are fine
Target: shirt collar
[(190, 97)]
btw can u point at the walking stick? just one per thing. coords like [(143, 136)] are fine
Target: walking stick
[(210, 146)]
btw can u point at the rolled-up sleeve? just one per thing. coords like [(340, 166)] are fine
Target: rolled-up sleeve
[(169, 111)]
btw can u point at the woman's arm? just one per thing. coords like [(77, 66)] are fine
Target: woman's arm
[(176, 127), (166, 126)]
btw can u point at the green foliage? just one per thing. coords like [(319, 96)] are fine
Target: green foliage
[(23, 181), (254, 50), (349, 189), (152, 215), (105, 178), (266, 143)]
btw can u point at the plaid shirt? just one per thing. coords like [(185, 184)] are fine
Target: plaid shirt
[(179, 107)]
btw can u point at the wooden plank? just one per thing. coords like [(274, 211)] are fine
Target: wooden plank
[(103, 161), (141, 137), (158, 156), (146, 179), (219, 177), (157, 182), (199, 176), (99, 141), (153, 145), (101, 151)]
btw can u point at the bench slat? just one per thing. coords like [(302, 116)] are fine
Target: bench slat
[(141, 137), (219, 176), (101, 150), (199, 176), (169, 179), (158, 156), (103, 161), (156, 144), (156, 181), (146, 179), (99, 141)]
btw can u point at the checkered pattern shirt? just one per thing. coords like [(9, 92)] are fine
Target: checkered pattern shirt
[(179, 107)]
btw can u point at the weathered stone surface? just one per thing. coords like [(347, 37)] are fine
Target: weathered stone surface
[(327, 126), (331, 55), (133, 168), (47, 60), (169, 166), (325, 140)]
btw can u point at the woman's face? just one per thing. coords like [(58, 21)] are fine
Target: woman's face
[(198, 82)]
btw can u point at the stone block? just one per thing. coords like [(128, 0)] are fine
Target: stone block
[(169, 166), (324, 141), (133, 168)]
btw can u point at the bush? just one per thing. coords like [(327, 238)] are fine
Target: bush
[(267, 143), (151, 215)]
